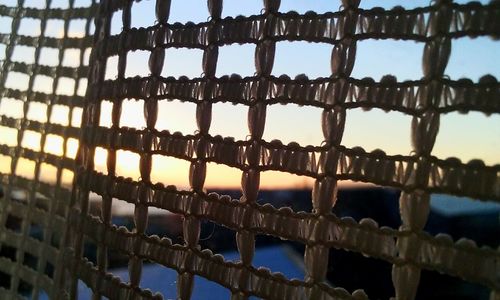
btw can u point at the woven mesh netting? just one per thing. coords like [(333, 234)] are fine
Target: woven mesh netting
[(43, 77), (58, 203)]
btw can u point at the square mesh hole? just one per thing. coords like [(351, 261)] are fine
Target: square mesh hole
[(24, 54), (473, 58), (303, 6), (71, 147), (6, 24), (10, 3), (54, 28), (359, 271), (49, 270), (25, 168), (116, 22), (234, 8), (86, 56), (24, 288), (76, 117), (283, 180), (17, 81), (34, 4), (9, 136), (2, 51), (105, 119), (229, 120), (127, 164), (467, 137), (236, 59), (30, 260), (170, 171), (29, 27), (12, 108), (278, 256), (5, 162), (95, 204), (82, 3), (54, 144), (183, 12), (13, 223), (60, 115), (203, 287), (31, 140), (84, 291), (111, 68), (65, 86), (176, 116), (311, 59), (94, 210), (89, 249), (9, 253), (150, 271), (137, 63), (376, 129), (37, 112), (49, 57), (122, 213), (42, 202), (43, 84), (71, 58), (91, 29), (217, 238), (164, 223), (282, 124), (220, 176), (100, 158), (143, 14), (59, 4), (67, 177), (183, 62), (4, 277), (369, 201), (77, 28), (133, 114), (21, 196), (377, 58), (82, 87), (389, 4)]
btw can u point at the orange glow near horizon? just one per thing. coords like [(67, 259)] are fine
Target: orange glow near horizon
[(173, 171), (465, 136), (168, 171)]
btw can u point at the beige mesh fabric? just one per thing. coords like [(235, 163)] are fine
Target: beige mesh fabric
[(42, 85), (63, 211)]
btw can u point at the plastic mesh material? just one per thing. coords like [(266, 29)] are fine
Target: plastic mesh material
[(409, 249), (42, 86)]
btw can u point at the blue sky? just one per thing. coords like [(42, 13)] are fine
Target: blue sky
[(464, 136), (467, 137)]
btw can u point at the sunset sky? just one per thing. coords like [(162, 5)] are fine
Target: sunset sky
[(463, 136)]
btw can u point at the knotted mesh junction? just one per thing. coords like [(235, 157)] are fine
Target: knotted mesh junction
[(63, 212)]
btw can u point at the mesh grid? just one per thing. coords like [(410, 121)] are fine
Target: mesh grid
[(41, 168), (408, 249)]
